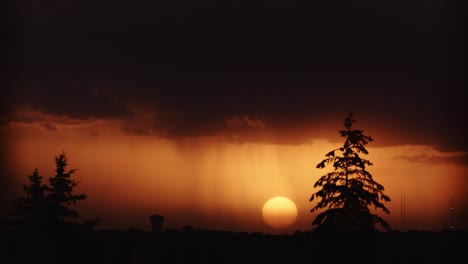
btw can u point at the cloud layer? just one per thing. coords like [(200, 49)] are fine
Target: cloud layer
[(289, 70)]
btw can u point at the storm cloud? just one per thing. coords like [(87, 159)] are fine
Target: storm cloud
[(283, 68)]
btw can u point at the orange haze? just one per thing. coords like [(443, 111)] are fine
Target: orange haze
[(213, 183)]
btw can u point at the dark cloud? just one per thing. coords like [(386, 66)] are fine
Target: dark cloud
[(182, 68), (49, 126), (65, 95), (459, 159)]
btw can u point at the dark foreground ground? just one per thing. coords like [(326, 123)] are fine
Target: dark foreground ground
[(172, 246)]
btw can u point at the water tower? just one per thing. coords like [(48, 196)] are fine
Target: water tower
[(156, 223)]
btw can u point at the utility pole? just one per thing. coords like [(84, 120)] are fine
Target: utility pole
[(451, 212)]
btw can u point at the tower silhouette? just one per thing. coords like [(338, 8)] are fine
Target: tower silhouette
[(451, 213), (156, 223)]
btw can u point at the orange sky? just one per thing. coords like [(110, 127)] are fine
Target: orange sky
[(215, 183), (203, 110)]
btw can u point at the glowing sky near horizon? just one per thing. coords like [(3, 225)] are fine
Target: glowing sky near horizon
[(213, 183)]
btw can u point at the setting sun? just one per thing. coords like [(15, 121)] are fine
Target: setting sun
[(279, 212)]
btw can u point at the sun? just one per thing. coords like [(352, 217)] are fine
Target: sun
[(279, 212)]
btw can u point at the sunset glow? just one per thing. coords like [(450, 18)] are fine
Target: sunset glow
[(201, 111), (201, 181)]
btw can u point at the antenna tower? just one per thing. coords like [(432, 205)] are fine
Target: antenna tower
[(451, 211)]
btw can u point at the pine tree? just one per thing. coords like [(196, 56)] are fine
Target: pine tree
[(348, 191), (30, 211), (47, 208), (60, 192)]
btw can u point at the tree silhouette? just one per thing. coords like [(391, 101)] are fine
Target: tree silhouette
[(48, 207), (60, 192), (30, 211), (349, 189)]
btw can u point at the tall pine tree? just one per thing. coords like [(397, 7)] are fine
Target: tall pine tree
[(347, 192), (60, 192)]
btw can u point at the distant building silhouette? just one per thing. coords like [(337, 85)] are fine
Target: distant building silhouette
[(156, 222)]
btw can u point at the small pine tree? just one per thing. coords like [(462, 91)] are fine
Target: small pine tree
[(60, 192), (30, 211), (349, 189)]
